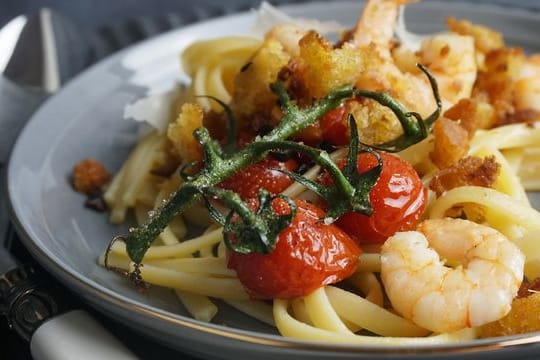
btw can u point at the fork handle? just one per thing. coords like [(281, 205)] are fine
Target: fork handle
[(76, 335)]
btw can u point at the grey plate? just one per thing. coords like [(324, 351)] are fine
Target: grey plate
[(84, 120)]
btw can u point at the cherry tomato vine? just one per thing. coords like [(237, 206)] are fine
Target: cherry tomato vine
[(349, 191)]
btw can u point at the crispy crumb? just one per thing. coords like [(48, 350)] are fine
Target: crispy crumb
[(470, 170), (472, 114), (524, 317), (180, 133), (451, 143), (485, 39), (529, 287), (89, 176)]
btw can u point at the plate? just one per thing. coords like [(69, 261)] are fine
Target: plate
[(85, 120)]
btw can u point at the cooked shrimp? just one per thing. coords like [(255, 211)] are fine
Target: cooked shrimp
[(450, 57), (377, 22), (527, 91), (511, 84), (375, 30), (443, 299), (366, 60)]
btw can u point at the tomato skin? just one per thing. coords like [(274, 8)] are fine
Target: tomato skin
[(308, 255), (398, 200), (332, 127), (262, 174)]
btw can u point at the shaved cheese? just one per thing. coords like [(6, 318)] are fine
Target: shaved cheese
[(154, 109)]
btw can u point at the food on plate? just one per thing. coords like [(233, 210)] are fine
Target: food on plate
[(308, 255), (398, 199), (341, 192), (442, 299), (89, 176)]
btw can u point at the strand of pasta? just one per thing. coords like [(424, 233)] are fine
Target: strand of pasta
[(196, 54), (371, 316), (225, 288), (322, 314), (514, 211), (206, 251), (529, 171), (183, 249), (256, 309), (211, 79), (507, 181), (212, 65), (112, 192), (204, 265), (221, 249), (514, 157), (148, 191), (199, 306), (418, 156), (295, 189), (115, 260), (167, 236), (299, 311), (508, 136), (289, 326), (530, 245), (369, 285), (122, 193), (209, 251)]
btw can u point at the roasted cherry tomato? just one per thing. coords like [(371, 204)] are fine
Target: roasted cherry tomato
[(331, 128), (308, 255), (261, 175), (398, 200), (334, 127)]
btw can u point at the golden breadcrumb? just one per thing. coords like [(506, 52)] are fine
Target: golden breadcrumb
[(252, 92), (485, 39), (451, 142), (470, 170), (325, 68), (523, 318), (89, 176), (180, 133), (472, 115)]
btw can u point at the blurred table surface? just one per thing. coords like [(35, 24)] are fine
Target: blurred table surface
[(100, 21)]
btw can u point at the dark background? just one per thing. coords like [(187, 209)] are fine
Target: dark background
[(105, 26)]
